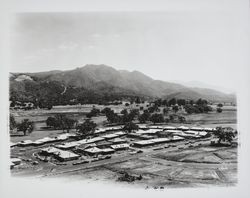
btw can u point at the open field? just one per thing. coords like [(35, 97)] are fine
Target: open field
[(226, 117), (78, 112)]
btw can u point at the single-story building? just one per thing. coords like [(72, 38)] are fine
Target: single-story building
[(15, 161), (183, 128), (120, 146), (139, 136), (117, 141), (151, 142), (110, 136), (196, 128), (169, 128), (155, 127), (59, 154), (177, 138), (93, 151), (107, 151)]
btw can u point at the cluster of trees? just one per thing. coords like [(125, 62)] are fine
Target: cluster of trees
[(125, 116), (130, 126), (172, 102), (177, 118), (87, 128), (60, 121), (154, 117), (200, 106), (190, 106), (25, 125), (151, 114), (197, 108), (94, 112), (224, 134)]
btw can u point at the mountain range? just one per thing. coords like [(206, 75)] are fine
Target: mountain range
[(103, 81)]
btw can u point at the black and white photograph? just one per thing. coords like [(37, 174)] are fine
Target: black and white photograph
[(147, 97)]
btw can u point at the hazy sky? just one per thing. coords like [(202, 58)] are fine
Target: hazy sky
[(201, 45)]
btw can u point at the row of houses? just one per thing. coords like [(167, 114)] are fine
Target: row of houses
[(70, 145), (90, 149), (183, 128), (156, 141), (44, 140)]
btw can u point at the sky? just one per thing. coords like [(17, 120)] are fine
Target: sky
[(202, 45)]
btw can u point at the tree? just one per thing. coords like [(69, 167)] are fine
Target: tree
[(113, 117), (130, 126), (201, 102), (61, 122), (191, 102), (87, 128), (157, 118), (12, 122), (220, 105), (144, 117), (181, 102), (45, 104), (106, 110), (93, 112), (69, 123), (172, 102), (189, 108), (165, 110), (129, 117), (175, 108), (52, 122), (153, 109), (171, 118), (25, 125), (182, 119), (224, 134), (137, 100), (124, 111), (165, 102), (207, 108), (158, 102), (219, 110)]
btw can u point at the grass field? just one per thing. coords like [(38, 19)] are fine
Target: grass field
[(228, 117)]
